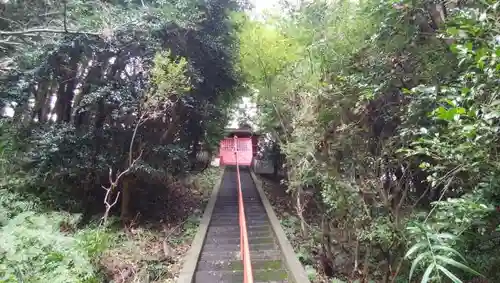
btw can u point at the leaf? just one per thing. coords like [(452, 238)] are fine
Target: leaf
[(460, 110), (416, 262), (468, 128), (427, 273), (469, 46), (480, 64), (448, 249), (449, 114), (446, 236), (414, 248), (453, 31), (449, 274), (483, 17), (457, 264)]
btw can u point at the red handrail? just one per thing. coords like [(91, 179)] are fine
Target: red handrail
[(244, 247)]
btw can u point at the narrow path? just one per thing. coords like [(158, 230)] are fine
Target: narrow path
[(219, 260)]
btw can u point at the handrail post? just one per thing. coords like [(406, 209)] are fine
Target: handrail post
[(244, 247)]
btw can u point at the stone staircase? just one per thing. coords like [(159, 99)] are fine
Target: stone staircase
[(220, 259)]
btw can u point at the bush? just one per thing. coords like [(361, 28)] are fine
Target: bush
[(207, 179), (40, 247)]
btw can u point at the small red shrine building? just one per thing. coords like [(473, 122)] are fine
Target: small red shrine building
[(247, 141)]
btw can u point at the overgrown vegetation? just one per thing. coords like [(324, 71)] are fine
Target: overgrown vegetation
[(387, 115), (108, 101), (37, 247), (384, 114)]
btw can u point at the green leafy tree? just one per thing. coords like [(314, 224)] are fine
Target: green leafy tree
[(385, 111)]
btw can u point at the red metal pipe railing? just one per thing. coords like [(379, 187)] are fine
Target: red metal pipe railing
[(244, 247)]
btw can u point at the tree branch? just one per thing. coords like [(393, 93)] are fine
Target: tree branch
[(141, 121), (29, 32), (65, 16), (9, 42), (112, 186), (12, 21)]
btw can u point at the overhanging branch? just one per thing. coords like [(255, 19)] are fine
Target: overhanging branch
[(30, 32), (9, 42)]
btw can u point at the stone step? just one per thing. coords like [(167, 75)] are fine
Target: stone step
[(236, 226), (236, 240), (235, 233), (229, 206), (226, 212), (260, 213), (249, 222), (236, 218), (236, 265), (235, 201), (237, 276), (230, 215), (235, 255), (209, 247)]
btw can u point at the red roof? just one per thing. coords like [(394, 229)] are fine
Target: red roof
[(240, 131)]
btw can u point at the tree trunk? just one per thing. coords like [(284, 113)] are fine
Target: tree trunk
[(173, 126), (71, 85), (40, 96), (45, 109)]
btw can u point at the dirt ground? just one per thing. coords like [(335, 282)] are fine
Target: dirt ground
[(154, 251)]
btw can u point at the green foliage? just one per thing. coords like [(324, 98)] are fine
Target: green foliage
[(169, 76), (311, 272), (463, 132), (264, 52), (12, 204), (387, 113), (41, 247), (94, 241), (436, 253), (94, 85), (189, 229), (152, 79), (207, 179)]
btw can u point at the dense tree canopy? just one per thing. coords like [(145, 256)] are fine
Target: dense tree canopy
[(96, 84), (386, 112), (103, 100), (385, 115)]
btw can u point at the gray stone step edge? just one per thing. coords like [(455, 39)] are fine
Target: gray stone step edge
[(191, 259), (296, 272)]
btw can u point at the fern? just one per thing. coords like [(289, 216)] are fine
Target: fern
[(33, 248)]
